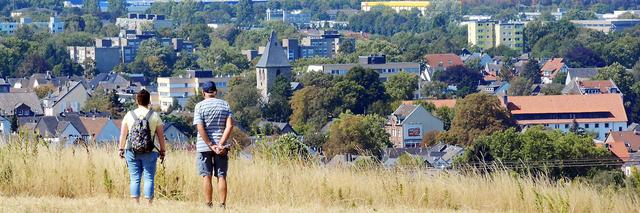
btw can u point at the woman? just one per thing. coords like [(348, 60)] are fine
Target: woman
[(142, 164)]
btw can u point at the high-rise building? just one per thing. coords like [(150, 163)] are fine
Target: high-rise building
[(487, 34), (183, 87), (510, 34), (480, 33), (272, 64)]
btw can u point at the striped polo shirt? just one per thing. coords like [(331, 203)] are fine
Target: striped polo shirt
[(213, 113)]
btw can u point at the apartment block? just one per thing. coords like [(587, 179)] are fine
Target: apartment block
[(325, 44), (398, 6), (135, 21), (510, 34), (480, 33), (54, 25), (103, 58), (376, 62), (182, 88)]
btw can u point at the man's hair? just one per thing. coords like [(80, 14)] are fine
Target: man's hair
[(143, 98)]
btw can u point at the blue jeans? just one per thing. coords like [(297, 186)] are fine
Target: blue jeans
[(141, 166)]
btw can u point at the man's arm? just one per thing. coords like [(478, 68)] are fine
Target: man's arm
[(227, 131), (205, 137)]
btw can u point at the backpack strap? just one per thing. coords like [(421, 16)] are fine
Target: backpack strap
[(133, 114), (148, 116)]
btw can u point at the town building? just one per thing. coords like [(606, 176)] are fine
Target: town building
[(272, 65), (487, 34), (183, 87), (324, 44), (104, 59), (481, 34), (408, 124), (21, 104), (63, 129), (588, 87), (53, 25), (109, 81), (68, 98), (296, 17), (377, 63), (101, 130), (398, 6), (435, 62), (174, 136), (617, 13), (552, 68), (607, 25), (580, 74), (597, 113), (625, 146), (136, 21)]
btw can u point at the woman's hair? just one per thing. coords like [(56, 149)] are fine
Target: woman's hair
[(143, 98)]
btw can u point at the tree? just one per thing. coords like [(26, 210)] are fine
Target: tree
[(174, 105), (552, 89), (244, 12), (477, 115), (369, 80), (312, 107), (244, 99), (535, 150), (91, 6), (430, 138), (408, 161), (531, 71), (14, 123), (402, 86), (278, 109), (32, 64), (445, 114), (466, 80), (357, 134), (44, 90), (287, 147), (117, 8), (520, 86), (625, 81), (435, 90), (99, 101), (560, 78), (193, 100)]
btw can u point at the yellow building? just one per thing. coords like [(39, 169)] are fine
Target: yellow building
[(481, 34), (510, 35), (183, 87), (397, 5)]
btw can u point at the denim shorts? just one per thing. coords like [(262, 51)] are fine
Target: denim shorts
[(208, 162)]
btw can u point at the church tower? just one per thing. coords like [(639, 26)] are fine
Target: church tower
[(272, 65)]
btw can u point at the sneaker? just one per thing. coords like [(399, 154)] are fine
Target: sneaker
[(223, 206), (209, 204)]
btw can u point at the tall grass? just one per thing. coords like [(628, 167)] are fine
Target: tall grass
[(34, 170)]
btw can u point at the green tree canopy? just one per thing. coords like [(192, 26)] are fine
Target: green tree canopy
[(401, 86), (357, 134)]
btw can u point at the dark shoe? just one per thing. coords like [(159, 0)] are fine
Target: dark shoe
[(223, 206), (209, 204)]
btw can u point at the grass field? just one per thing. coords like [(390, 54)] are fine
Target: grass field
[(34, 178)]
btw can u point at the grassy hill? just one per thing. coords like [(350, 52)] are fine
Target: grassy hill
[(35, 178)]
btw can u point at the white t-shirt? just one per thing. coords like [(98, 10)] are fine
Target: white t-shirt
[(155, 122)]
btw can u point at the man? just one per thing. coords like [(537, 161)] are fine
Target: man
[(212, 118)]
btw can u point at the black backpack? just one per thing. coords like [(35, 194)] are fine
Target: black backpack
[(140, 135)]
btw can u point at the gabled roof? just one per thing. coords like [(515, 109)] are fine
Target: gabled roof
[(583, 73), (8, 102), (596, 103), (554, 66), (622, 144), (64, 91), (274, 54), (443, 60), (404, 110), (438, 103), (75, 120), (94, 125)]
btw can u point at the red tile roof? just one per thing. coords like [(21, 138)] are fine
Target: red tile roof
[(490, 76), (94, 125), (438, 103), (443, 60), (602, 85), (554, 66), (618, 142), (612, 103)]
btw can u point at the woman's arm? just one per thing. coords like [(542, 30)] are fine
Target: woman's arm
[(124, 131), (160, 134)]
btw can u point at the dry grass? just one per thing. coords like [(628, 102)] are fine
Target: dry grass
[(35, 178)]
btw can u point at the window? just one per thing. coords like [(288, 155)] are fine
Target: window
[(597, 125), (619, 128), (566, 126), (606, 125), (586, 126)]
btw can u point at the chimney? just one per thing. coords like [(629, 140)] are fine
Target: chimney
[(505, 99)]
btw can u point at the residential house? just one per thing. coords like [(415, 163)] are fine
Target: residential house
[(21, 104), (625, 146), (580, 74), (586, 87), (552, 68), (495, 88), (68, 98), (109, 81), (101, 129), (173, 135), (633, 127), (279, 128), (438, 156), (135, 21), (63, 130), (483, 58), (397, 6), (409, 123), (347, 160), (436, 62), (377, 63)]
